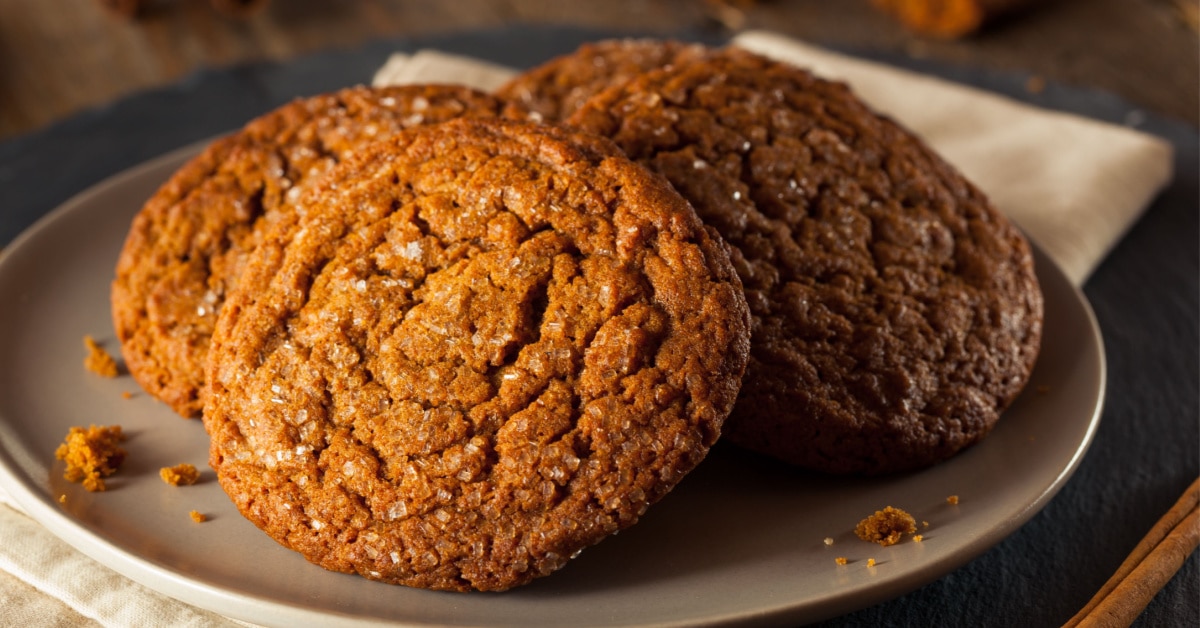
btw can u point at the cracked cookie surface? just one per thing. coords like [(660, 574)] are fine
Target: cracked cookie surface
[(487, 346), (185, 248), (896, 312), (555, 89)]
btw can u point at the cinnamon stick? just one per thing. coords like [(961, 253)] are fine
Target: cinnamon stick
[(1148, 567), (948, 19)]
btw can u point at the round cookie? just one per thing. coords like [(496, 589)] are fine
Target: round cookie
[(555, 89), (896, 312), (487, 345), (185, 247)]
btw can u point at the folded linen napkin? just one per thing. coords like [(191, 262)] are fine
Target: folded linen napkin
[(1075, 185)]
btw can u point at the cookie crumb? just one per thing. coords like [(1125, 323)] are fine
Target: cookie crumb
[(179, 475), (62, 499), (91, 455), (828, 541), (886, 526), (952, 500), (917, 538), (126, 395), (924, 524), (841, 560), (870, 562), (98, 360), (198, 516)]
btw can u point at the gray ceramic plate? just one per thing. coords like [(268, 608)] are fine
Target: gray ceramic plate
[(739, 541)]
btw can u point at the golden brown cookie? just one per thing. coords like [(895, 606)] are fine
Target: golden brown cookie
[(555, 89), (185, 247), (896, 312), (487, 346)]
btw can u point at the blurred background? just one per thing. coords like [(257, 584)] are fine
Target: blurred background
[(58, 57)]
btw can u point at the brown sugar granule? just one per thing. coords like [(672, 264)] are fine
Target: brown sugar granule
[(180, 474), (841, 560), (91, 455), (98, 360), (198, 516), (886, 526), (952, 500)]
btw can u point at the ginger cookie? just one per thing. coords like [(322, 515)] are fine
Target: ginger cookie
[(487, 345), (896, 311), (555, 89), (185, 248)]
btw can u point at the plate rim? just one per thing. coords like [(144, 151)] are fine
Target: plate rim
[(228, 602)]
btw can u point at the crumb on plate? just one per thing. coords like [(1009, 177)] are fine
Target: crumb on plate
[(841, 560), (952, 500), (198, 516), (179, 475), (98, 360), (886, 526), (91, 455)]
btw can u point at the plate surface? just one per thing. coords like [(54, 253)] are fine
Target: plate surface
[(739, 541)]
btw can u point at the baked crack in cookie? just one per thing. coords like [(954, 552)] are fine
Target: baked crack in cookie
[(486, 346), (896, 312), (185, 248), (554, 90)]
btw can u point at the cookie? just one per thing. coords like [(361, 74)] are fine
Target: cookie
[(487, 346), (555, 89), (185, 247), (896, 311)]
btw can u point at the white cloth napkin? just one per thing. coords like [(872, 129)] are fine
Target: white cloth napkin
[(1075, 185)]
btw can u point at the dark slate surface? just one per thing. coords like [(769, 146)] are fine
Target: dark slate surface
[(1147, 449)]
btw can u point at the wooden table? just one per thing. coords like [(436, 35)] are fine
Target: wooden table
[(60, 56)]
